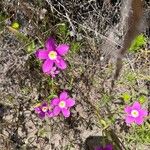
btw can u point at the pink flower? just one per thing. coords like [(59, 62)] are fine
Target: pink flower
[(108, 147), (52, 54), (43, 110), (62, 104), (53, 72), (135, 114)]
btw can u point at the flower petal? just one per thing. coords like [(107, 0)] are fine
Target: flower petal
[(62, 49), (60, 63), (143, 113), (57, 71), (139, 120), (136, 105), (53, 72), (55, 102), (41, 54), (128, 109), (54, 68), (52, 75), (49, 113), (50, 44), (56, 111), (98, 148), (70, 102), (37, 110), (66, 112), (129, 119), (44, 104), (63, 96), (108, 147), (47, 65), (41, 115)]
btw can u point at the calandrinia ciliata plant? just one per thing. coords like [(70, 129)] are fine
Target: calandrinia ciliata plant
[(43, 110), (62, 104), (135, 114), (52, 56), (58, 105)]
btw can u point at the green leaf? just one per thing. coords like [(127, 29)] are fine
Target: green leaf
[(51, 96), (62, 29), (138, 42), (143, 99), (15, 25), (126, 97), (103, 122), (42, 132), (31, 47), (75, 47), (131, 77)]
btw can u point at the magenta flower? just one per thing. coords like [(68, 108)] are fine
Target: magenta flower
[(43, 110), (108, 147), (53, 72), (62, 104), (135, 114), (52, 54)]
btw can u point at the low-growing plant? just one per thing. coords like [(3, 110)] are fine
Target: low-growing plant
[(138, 43)]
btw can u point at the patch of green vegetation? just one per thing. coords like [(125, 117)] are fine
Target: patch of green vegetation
[(69, 147), (62, 29), (52, 95), (53, 87), (63, 32), (129, 78), (42, 132), (27, 41), (75, 47), (142, 99), (3, 17), (105, 98), (31, 47), (126, 97), (25, 90), (10, 98), (140, 134), (138, 42), (15, 25)]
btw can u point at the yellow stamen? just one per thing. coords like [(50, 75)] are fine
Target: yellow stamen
[(44, 109), (62, 104), (52, 55), (134, 113)]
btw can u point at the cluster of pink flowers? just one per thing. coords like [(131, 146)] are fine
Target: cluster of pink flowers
[(58, 105), (53, 62), (52, 58)]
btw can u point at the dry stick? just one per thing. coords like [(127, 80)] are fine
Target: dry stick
[(82, 26), (133, 21)]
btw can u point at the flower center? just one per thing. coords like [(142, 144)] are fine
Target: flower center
[(62, 104), (52, 55), (44, 109), (134, 113)]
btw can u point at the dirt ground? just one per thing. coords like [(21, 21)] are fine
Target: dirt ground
[(87, 79)]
